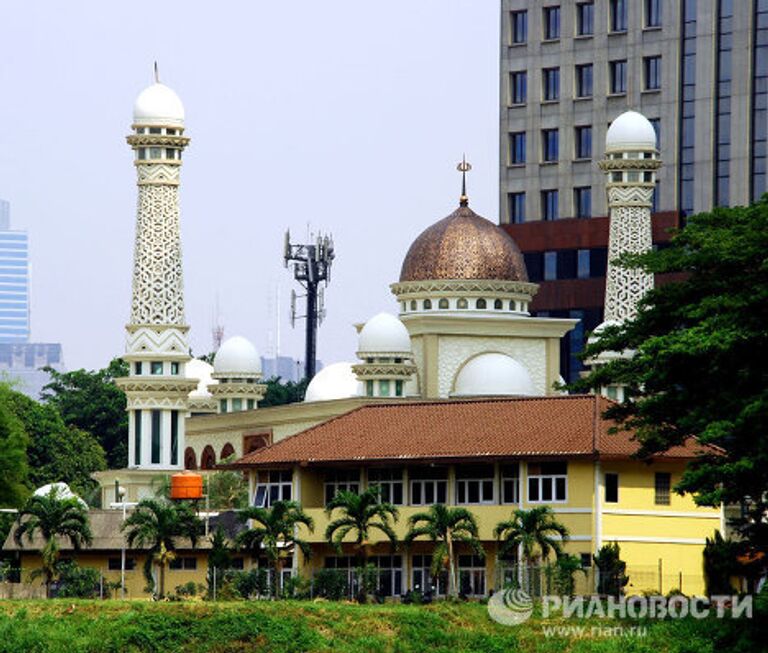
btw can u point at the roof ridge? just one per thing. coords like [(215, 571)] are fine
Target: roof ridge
[(472, 400)]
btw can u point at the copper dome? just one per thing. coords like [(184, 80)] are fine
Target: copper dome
[(464, 246)]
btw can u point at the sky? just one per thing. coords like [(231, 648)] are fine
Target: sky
[(342, 116)]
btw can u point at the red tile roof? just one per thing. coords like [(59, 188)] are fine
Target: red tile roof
[(458, 430)]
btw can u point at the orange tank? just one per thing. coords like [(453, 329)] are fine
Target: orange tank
[(186, 485)]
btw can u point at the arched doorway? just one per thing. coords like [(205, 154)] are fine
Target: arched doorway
[(190, 459), (227, 451), (208, 458)]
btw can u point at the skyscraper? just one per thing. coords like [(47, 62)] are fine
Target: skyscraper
[(14, 280), (568, 69)]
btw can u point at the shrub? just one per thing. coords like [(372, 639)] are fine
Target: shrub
[(330, 584), (611, 568), (77, 582)]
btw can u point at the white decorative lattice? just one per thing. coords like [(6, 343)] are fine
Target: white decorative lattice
[(630, 232)]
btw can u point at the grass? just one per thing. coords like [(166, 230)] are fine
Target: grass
[(75, 626)]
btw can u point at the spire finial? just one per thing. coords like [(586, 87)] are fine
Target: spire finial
[(157, 74), (464, 168)]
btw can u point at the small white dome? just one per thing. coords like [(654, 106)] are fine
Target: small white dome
[(493, 374), (595, 335), (384, 333), (337, 381), (630, 131), (60, 491), (237, 358), (158, 105), (200, 370)]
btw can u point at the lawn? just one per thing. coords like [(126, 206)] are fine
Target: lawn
[(75, 626)]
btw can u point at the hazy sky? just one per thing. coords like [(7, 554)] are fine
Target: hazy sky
[(345, 115)]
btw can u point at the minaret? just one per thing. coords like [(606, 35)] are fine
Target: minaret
[(237, 368), (386, 366), (157, 349)]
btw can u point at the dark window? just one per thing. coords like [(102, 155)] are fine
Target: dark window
[(517, 148), (516, 207), (686, 126), (550, 266), (583, 142), (175, 368), (187, 563), (156, 367), (611, 488), (137, 367), (549, 203), (586, 559), (137, 437), (566, 264), (519, 24), (652, 73), (157, 416), (510, 483), (656, 122), (663, 482), (618, 76), (174, 437), (584, 80), (481, 304), (598, 262), (550, 144), (724, 76), (618, 15), (551, 79), (582, 199), (655, 199), (585, 18), (518, 84), (653, 13), (551, 23), (390, 483), (582, 264), (114, 564)]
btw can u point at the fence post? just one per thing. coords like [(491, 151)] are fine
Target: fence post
[(680, 580), (214, 583), (661, 590)]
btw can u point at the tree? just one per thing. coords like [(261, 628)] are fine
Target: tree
[(219, 558), (53, 518), (698, 368), (536, 532), (273, 534), (720, 564), (446, 527), (227, 490), (279, 393), (13, 454), (611, 570), (92, 402), (157, 526), (359, 515)]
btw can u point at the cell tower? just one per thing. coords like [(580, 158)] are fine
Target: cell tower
[(311, 267)]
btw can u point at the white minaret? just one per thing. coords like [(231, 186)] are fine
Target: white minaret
[(157, 349), (237, 368), (384, 349)]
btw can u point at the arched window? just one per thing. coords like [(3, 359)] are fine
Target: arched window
[(413, 304), (208, 458), (427, 304), (481, 304), (462, 303), (190, 459), (443, 304), (497, 305), (512, 306), (227, 451)]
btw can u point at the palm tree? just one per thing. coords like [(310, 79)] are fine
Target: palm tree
[(446, 527), (275, 534), (54, 518), (536, 532), (157, 525)]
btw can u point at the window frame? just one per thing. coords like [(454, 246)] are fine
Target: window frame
[(388, 484), (662, 496), (579, 79), (342, 481), (513, 198), (652, 73), (274, 489), (579, 141), (550, 84), (514, 26), (613, 67), (540, 478), (517, 148), (618, 17), (509, 474), (551, 29), (550, 138), (614, 487), (580, 32), (518, 88)]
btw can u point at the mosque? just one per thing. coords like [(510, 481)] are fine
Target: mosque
[(455, 400)]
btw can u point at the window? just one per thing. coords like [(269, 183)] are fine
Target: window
[(551, 23), (510, 483), (398, 388), (663, 481), (656, 122), (549, 202), (584, 80), (174, 437), (583, 264), (549, 144), (585, 19), (427, 304), (389, 574), (413, 304), (237, 404), (175, 368), (618, 15), (497, 304), (611, 487), (519, 24), (157, 416), (655, 199), (137, 368), (341, 481), (518, 86), (652, 73), (222, 405), (586, 559), (156, 367), (517, 148), (369, 388), (550, 266), (155, 152), (474, 485), (384, 388), (271, 487), (653, 13), (115, 564), (547, 482), (481, 304), (583, 142), (551, 80), (428, 485), (422, 578), (516, 209), (582, 200), (155, 130), (462, 303), (390, 482), (618, 76), (185, 563), (471, 575), (137, 437), (251, 404)]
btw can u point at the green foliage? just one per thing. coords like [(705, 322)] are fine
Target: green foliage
[(330, 584), (720, 563), (13, 453), (699, 369), (279, 393), (227, 490), (92, 402), (611, 570), (536, 530), (563, 572), (77, 582), (219, 557), (252, 583)]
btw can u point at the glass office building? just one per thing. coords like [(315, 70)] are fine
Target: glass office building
[(14, 280)]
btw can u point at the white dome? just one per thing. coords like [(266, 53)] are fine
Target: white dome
[(336, 381), (60, 491), (200, 370), (630, 131), (158, 105), (491, 375), (384, 333), (238, 358)]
